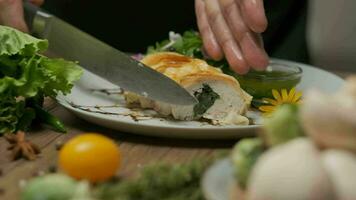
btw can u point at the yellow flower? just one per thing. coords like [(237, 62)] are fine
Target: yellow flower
[(280, 98)]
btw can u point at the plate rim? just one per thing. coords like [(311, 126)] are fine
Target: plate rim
[(206, 179)]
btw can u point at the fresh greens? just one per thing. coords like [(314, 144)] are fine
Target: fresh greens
[(26, 77), (244, 156), (206, 98), (50, 187), (283, 125), (189, 44), (159, 181)]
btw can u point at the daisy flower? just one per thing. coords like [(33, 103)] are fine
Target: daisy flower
[(280, 98)]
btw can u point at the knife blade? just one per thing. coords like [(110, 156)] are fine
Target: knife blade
[(103, 60)]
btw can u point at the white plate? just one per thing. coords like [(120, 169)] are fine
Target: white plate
[(218, 181), (111, 112)]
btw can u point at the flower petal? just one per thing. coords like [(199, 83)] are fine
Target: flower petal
[(271, 101), (276, 95), (266, 108), (297, 96), (284, 95), (291, 95)]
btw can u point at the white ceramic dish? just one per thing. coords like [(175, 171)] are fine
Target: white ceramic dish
[(97, 101), (218, 181)]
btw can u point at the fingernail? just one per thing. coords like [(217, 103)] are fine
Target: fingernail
[(233, 49), (251, 2), (235, 58), (255, 55)]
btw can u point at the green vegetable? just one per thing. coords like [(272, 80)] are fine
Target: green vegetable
[(26, 75), (206, 98), (282, 125), (50, 187), (49, 119), (244, 156), (159, 181), (189, 44)]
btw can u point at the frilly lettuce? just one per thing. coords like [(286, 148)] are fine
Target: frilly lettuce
[(14, 42), (189, 44), (27, 76)]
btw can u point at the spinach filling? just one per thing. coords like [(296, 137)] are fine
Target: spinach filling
[(206, 98)]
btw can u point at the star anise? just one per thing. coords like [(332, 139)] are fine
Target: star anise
[(21, 147)]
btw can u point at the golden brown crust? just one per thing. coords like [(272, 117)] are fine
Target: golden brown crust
[(177, 66)]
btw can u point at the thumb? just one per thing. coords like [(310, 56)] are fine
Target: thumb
[(11, 14)]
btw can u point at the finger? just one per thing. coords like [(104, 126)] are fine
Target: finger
[(235, 58), (253, 13), (253, 52), (224, 37), (11, 14), (234, 18), (37, 2), (211, 46)]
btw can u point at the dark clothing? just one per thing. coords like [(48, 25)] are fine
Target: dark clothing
[(133, 25)]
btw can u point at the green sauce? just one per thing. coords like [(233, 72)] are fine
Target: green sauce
[(259, 84)]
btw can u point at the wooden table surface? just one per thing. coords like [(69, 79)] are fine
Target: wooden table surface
[(137, 150)]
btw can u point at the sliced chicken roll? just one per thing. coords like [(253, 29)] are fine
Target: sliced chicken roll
[(220, 96)]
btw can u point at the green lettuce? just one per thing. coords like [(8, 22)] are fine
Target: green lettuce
[(244, 156), (190, 44), (14, 42), (26, 77), (282, 125)]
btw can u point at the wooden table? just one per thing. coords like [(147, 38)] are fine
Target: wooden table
[(137, 150)]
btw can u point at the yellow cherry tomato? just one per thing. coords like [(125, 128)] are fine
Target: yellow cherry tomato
[(91, 156)]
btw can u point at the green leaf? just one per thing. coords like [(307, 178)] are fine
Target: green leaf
[(27, 75), (282, 125), (29, 81), (244, 156), (189, 44), (60, 75), (15, 42), (206, 98), (158, 47), (10, 112), (159, 181)]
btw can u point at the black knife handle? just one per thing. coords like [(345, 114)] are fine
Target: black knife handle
[(30, 12)]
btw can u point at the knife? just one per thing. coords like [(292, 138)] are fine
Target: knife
[(103, 60)]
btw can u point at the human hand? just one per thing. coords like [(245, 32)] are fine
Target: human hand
[(232, 28), (11, 13)]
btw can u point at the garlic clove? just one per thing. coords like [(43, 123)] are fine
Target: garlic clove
[(330, 120), (290, 171), (340, 166)]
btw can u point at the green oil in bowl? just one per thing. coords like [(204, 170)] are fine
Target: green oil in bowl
[(278, 75)]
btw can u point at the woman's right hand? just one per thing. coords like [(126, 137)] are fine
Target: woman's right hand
[(11, 13), (231, 29)]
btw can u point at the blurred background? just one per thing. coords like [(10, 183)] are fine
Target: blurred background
[(318, 32)]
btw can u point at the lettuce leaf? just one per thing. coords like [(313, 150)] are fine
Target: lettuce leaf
[(10, 113), (189, 44), (15, 42), (29, 76), (60, 74)]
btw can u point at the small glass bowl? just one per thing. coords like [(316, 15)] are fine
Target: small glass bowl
[(278, 75)]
